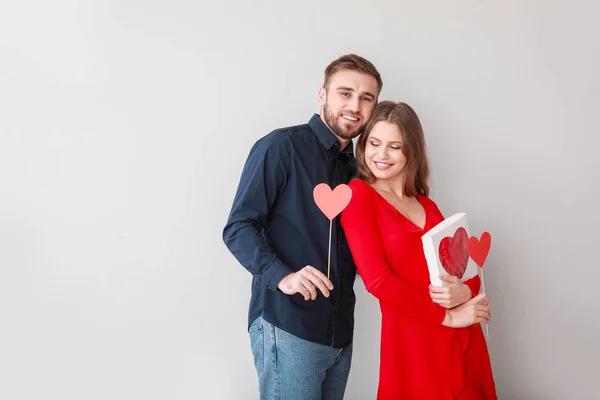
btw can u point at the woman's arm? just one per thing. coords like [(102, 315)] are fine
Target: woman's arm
[(364, 239), (474, 284), (455, 292)]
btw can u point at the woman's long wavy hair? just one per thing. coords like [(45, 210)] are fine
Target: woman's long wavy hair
[(416, 171)]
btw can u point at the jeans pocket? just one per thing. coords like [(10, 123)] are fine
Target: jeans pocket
[(257, 344)]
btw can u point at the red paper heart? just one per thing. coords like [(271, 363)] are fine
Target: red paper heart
[(479, 249), (332, 202), (453, 253)]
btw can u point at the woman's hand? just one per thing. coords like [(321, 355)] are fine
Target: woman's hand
[(452, 295), (472, 312)]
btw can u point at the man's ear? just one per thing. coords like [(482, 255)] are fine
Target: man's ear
[(322, 96)]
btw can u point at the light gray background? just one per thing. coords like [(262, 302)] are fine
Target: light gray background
[(118, 119)]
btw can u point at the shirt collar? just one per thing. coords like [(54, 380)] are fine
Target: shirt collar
[(327, 138)]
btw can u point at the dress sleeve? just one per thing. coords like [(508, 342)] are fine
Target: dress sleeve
[(474, 284), (359, 221)]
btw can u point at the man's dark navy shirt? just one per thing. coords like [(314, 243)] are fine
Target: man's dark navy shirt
[(275, 228)]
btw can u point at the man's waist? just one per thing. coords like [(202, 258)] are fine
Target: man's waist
[(333, 328)]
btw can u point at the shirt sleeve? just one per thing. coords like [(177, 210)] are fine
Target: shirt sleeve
[(359, 221), (263, 177)]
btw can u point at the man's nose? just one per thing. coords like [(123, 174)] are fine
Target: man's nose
[(354, 104)]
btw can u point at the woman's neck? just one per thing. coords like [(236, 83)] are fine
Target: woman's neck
[(393, 186)]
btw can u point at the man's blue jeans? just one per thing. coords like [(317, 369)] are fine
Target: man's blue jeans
[(290, 368)]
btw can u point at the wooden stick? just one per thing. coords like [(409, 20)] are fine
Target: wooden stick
[(487, 332), (329, 256)]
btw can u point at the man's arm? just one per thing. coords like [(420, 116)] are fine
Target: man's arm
[(263, 177)]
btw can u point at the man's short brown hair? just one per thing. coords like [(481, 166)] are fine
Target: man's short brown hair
[(352, 62)]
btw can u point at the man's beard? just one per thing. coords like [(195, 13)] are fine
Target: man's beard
[(345, 132)]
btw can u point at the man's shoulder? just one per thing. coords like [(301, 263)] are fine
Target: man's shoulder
[(285, 136), (291, 132)]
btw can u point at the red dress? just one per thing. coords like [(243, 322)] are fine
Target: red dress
[(420, 358)]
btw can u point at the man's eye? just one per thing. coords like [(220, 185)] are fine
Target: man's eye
[(367, 99), (345, 94)]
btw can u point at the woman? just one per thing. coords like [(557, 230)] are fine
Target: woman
[(432, 344)]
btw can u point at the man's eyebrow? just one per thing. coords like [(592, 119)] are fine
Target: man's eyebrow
[(349, 89), (369, 94)]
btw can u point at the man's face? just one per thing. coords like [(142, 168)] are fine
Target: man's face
[(347, 103)]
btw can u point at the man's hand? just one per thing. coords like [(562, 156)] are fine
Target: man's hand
[(452, 295), (306, 281)]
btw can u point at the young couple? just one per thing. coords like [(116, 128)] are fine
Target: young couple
[(300, 321)]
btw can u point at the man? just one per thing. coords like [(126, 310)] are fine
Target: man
[(300, 321)]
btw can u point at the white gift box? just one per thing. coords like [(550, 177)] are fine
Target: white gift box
[(451, 235)]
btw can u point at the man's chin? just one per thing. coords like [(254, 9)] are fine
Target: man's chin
[(345, 131), (349, 135)]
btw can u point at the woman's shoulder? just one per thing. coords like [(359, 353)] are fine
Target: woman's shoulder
[(428, 203), (359, 185), (360, 188), (425, 199)]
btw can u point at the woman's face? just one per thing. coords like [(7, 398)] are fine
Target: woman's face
[(383, 151)]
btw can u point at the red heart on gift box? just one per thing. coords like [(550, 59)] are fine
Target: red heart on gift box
[(454, 254), (479, 249), (332, 202)]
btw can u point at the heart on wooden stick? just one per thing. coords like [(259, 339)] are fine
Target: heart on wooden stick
[(478, 251), (331, 203)]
